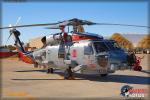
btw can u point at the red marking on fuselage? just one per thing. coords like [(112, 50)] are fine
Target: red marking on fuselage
[(76, 37), (74, 53)]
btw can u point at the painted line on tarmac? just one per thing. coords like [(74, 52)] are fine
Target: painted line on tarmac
[(20, 94)]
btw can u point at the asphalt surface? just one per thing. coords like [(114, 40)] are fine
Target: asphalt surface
[(21, 80)]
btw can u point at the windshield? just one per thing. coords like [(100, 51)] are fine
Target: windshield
[(105, 46), (113, 45), (100, 47)]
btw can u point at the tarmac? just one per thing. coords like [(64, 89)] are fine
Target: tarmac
[(22, 81)]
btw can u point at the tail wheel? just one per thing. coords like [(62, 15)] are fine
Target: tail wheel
[(68, 74)]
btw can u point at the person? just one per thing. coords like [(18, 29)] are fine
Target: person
[(65, 35), (131, 58)]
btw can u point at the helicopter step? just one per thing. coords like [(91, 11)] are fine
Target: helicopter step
[(79, 68)]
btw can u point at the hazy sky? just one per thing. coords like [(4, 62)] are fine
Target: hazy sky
[(47, 12)]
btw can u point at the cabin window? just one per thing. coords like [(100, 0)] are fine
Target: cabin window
[(88, 50)]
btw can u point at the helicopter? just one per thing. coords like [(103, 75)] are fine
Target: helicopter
[(74, 52)]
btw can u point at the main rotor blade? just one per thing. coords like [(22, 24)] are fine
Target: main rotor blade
[(122, 25), (31, 25), (52, 27), (71, 22)]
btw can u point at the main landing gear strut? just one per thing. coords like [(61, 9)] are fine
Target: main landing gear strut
[(68, 74), (50, 70)]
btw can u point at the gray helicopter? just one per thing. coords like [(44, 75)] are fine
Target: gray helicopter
[(74, 52)]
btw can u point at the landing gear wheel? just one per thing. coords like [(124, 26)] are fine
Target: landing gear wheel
[(50, 70), (68, 74), (103, 75)]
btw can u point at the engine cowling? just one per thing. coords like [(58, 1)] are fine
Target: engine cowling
[(51, 39)]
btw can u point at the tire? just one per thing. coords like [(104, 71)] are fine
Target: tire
[(50, 70), (68, 74), (103, 75)]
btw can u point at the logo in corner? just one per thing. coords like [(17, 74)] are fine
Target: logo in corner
[(125, 90), (128, 91)]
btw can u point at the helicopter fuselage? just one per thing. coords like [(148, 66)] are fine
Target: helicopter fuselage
[(86, 56)]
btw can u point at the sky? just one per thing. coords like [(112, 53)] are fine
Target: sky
[(48, 12)]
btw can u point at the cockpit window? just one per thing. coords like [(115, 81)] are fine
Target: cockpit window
[(100, 47), (113, 45), (105, 46)]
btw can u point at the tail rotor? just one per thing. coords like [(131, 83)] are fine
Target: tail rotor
[(13, 28)]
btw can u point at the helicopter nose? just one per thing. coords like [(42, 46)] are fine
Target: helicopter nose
[(102, 61)]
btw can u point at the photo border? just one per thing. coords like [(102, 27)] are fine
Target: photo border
[(23, 1)]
